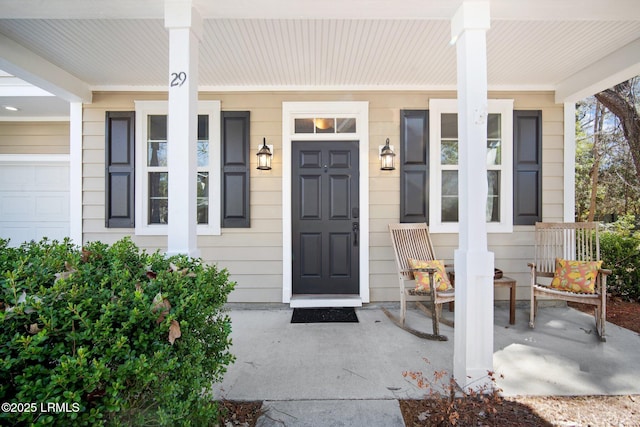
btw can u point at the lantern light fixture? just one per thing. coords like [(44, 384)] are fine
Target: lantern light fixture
[(264, 156), (387, 157)]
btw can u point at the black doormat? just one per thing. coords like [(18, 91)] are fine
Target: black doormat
[(322, 315)]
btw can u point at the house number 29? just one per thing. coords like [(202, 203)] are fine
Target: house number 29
[(178, 79)]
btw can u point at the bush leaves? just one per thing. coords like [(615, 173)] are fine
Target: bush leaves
[(97, 327)]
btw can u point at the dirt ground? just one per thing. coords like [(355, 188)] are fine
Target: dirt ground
[(494, 410)]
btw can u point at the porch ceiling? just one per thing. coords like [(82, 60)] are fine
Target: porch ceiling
[(295, 44)]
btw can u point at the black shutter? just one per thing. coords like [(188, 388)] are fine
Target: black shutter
[(414, 165), (235, 169), (119, 165), (527, 167)]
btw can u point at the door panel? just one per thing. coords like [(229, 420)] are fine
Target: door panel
[(340, 250), (310, 191), (339, 192), (311, 265), (324, 199)]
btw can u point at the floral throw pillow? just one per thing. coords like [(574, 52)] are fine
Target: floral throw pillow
[(422, 277), (575, 276)]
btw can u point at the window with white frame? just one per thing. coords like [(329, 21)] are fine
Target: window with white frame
[(444, 166), (152, 173), (324, 125)]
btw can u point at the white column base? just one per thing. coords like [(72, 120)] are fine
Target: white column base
[(473, 340)]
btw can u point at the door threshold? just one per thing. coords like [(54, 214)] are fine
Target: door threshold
[(325, 300)]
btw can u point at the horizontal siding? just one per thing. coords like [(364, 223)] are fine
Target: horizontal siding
[(34, 137), (253, 256)]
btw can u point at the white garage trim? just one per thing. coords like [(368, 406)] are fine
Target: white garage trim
[(33, 158)]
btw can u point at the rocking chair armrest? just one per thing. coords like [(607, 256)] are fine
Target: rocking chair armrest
[(430, 270), (601, 284), (411, 271), (425, 270), (531, 265)]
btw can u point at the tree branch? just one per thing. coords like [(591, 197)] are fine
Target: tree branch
[(624, 108)]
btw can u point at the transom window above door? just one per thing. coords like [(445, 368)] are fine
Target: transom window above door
[(325, 125)]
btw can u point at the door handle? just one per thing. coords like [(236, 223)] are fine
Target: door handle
[(356, 228)]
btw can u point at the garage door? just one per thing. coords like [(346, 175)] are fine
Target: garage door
[(34, 198)]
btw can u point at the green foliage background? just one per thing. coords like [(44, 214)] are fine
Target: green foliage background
[(620, 252), (82, 326)]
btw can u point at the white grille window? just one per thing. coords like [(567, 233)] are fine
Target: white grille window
[(444, 166), (152, 167)]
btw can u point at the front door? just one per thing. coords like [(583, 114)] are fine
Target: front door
[(325, 211)]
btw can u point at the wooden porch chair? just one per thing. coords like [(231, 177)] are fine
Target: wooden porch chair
[(568, 241), (413, 241)]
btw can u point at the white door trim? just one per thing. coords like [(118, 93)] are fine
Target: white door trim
[(359, 110)]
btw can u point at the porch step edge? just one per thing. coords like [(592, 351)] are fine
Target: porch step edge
[(320, 301)]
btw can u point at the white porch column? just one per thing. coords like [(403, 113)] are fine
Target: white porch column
[(185, 29), (473, 343), (75, 172), (569, 162)]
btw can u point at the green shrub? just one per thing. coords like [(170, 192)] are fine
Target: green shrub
[(119, 336), (620, 252)]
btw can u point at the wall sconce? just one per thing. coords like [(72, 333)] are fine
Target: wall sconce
[(386, 157), (264, 156)]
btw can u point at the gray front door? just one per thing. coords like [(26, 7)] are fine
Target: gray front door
[(325, 219)]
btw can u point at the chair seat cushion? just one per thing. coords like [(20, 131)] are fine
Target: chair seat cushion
[(575, 276), (422, 277)]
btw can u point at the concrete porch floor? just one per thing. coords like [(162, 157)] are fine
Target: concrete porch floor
[(322, 367)]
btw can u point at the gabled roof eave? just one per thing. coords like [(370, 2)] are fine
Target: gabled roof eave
[(25, 64), (609, 71)]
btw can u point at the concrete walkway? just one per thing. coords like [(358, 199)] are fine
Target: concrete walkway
[(351, 374)]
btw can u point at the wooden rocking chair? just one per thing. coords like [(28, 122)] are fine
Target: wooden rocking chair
[(413, 241), (574, 242)]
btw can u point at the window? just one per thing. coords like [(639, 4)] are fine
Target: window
[(324, 125), (152, 162), (444, 167)]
